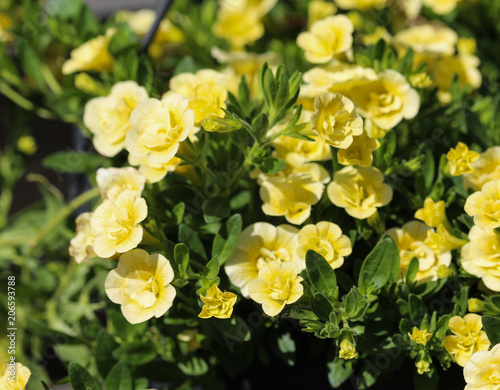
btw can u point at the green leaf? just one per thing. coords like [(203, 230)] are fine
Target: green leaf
[(260, 125), (412, 270), (424, 382), (76, 162), (178, 212), (181, 257), (321, 306), (339, 370), (103, 353), (380, 262), (215, 209), (135, 353), (226, 239), (211, 270), (186, 65), (417, 308), (123, 39), (234, 329), (189, 237), (119, 378), (271, 165), (492, 328), (321, 275), (31, 64), (282, 94), (80, 378), (193, 366)]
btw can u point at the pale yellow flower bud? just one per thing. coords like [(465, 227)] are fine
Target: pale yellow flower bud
[(420, 336), (433, 213), (475, 305)]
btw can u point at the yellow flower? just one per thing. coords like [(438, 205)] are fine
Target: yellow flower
[(335, 120), (363, 5), (258, 245), (297, 152), (113, 181), (190, 337), (420, 80), (347, 350), (427, 38), (108, 118), (482, 371), (141, 285), (423, 366), (238, 25), (87, 84), (481, 258), (379, 33), (93, 55), (294, 193), (153, 172), (277, 285), (466, 46), (359, 190), (21, 373), (27, 144), (441, 7), (442, 271), (467, 338), (158, 128), (319, 9), (420, 336), (116, 224), (327, 37), (484, 205), (433, 213), (386, 100), (217, 303), (442, 240), (444, 70), (204, 90), (486, 168), (475, 305), (460, 159), (359, 152), (327, 239), (81, 246), (5, 24), (410, 241)]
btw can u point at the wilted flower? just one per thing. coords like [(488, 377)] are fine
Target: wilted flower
[(460, 159), (467, 338), (217, 303), (116, 224), (481, 258), (159, 127), (108, 118), (336, 120), (410, 241), (141, 285), (259, 244), (484, 206), (482, 370), (325, 238), (93, 55), (327, 37), (359, 190), (81, 246), (113, 181), (277, 285)]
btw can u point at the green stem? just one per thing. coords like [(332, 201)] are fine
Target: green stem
[(21, 101), (62, 214)]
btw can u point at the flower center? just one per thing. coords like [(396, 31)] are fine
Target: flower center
[(267, 256)]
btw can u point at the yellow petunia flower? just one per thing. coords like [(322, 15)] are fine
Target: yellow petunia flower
[(81, 246), (153, 172), (426, 38), (363, 5), (158, 126), (359, 152), (410, 242), (22, 376), (482, 370), (116, 224), (481, 258), (204, 90), (484, 205), (442, 240), (217, 303), (326, 38), (360, 191), (319, 9), (297, 152), (420, 336), (93, 55), (347, 350), (277, 285), (141, 285), (259, 244), (108, 117), (486, 168), (327, 239), (467, 338), (441, 7), (113, 181), (292, 194), (386, 100), (460, 159), (336, 120), (433, 213)]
